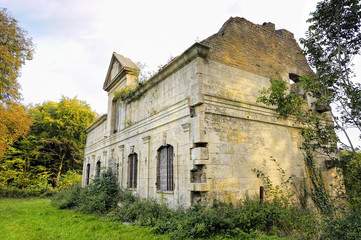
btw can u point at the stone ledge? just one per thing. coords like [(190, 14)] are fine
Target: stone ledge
[(199, 187)]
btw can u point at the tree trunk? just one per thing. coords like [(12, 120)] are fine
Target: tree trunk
[(56, 183)]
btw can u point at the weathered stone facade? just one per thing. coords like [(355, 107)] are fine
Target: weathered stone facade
[(194, 132)]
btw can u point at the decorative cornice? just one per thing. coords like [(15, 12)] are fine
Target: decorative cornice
[(96, 123)]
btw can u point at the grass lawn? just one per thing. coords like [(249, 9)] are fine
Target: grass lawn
[(36, 219)]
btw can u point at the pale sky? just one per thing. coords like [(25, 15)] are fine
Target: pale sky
[(75, 39)]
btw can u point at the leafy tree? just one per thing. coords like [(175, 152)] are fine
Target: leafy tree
[(15, 49), (60, 128), (54, 145), (332, 41), (14, 122)]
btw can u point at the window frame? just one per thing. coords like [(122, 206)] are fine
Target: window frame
[(116, 111), (132, 170), (87, 179), (169, 166), (97, 168)]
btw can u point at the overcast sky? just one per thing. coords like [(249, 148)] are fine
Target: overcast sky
[(76, 38)]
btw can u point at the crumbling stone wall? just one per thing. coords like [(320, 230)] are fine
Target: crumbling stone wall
[(258, 49)]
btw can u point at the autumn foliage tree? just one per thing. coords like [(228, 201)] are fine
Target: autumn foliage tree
[(53, 147), (60, 129), (15, 49)]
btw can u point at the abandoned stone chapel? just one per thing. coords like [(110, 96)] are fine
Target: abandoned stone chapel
[(194, 131)]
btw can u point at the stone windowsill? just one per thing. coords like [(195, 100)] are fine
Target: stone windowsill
[(165, 192)]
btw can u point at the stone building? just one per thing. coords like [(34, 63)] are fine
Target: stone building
[(194, 132)]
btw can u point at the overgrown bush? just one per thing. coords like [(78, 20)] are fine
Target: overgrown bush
[(100, 196), (247, 220), (14, 192), (345, 228), (200, 222), (243, 221), (276, 218), (143, 213), (68, 198)]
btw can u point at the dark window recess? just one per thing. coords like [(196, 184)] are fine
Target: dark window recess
[(198, 197), (192, 112), (97, 169), (200, 144), (132, 170), (116, 116), (330, 164), (87, 173), (261, 194), (294, 77), (198, 175), (321, 108), (165, 172)]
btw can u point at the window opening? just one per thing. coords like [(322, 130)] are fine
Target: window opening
[(97, 169), (293, 78), (165, 172), (132, 170), (87, 173), (116, 116)]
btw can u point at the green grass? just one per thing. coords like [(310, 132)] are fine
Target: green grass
[(36, 219)]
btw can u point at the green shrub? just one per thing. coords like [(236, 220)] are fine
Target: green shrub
[(277, 218), (200, 222), (67, 198), (245, 221), (14, 192), (71, 178), (248, 220), (127, 197), (345, 228), (143, 213), (100, 196)]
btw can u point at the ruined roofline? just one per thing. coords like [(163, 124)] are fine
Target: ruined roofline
[(259, 49), (267, 26)]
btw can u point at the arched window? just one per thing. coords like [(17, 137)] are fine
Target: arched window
[(87, 173), (132, 170), (165, 178), (97, 169)]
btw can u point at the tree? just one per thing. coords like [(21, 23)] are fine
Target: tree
[(60, 128), (15, 49), (54, 145), (332, 41), (14, 122)]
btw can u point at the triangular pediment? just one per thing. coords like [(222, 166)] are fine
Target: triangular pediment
[(118, 67)]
